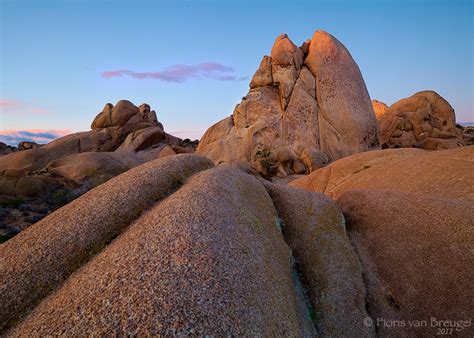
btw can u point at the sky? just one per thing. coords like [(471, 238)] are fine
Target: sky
[(62, 61)]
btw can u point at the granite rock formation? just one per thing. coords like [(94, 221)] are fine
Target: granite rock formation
[(175, 246), (380, 109), (409, 212), (306, 107), (122, 137), (42, 178), (424, 120)]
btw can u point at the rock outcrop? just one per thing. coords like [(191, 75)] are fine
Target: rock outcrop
[(5, 149), (467, 134), (409, 213), (306, 106), (416, 251), (44, 177), (26, 145), (122, 137), (446, 174), (35, 262), (314, 228), (380, 108), (222, 268), (424, 120)]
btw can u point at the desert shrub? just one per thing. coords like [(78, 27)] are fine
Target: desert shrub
[(62, 197), (265, 157), (101, 179), (4, 238), (12, 202)]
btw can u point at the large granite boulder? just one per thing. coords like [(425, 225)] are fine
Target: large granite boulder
[(409, 217), (26, 145), (446, 174), (306, 106), (220, 269), (347, 120), (314, 228), (417, 252), (124, 112), (35, 262), (424, 120), (90, 167)]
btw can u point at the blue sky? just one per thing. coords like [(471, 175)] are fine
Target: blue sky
[(54, 55)]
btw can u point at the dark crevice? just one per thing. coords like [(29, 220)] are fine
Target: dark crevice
[(301, 286)]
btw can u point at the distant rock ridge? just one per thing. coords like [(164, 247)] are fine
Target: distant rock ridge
[(6, 149), (306, 106)]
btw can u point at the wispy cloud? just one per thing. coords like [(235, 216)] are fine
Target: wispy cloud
[(180, 73), (13, 137), (15, 107), (9, 103)]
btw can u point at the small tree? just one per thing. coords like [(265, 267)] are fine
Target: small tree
[(264, 156)]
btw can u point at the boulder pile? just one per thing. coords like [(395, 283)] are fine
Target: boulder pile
[(424, 120), (370, 242), (42, 178), (122, 137)]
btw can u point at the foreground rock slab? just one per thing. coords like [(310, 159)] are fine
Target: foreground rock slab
[(409, 215), (314, 228), (36, 261), (214, 265), (447, 174), (417, 254)]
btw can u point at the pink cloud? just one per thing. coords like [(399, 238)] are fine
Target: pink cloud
[(180, 73), (22, 108), (9, 103), (13, 137)]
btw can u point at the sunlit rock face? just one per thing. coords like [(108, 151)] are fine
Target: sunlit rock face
[(424, 120), (306, 106), (380, 108)]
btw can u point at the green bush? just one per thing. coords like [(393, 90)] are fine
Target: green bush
[(12, 202), (264, 156), (62, 197)]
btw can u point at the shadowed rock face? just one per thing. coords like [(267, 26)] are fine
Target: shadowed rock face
[(424, 120), (306, 106), (5, 149)]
